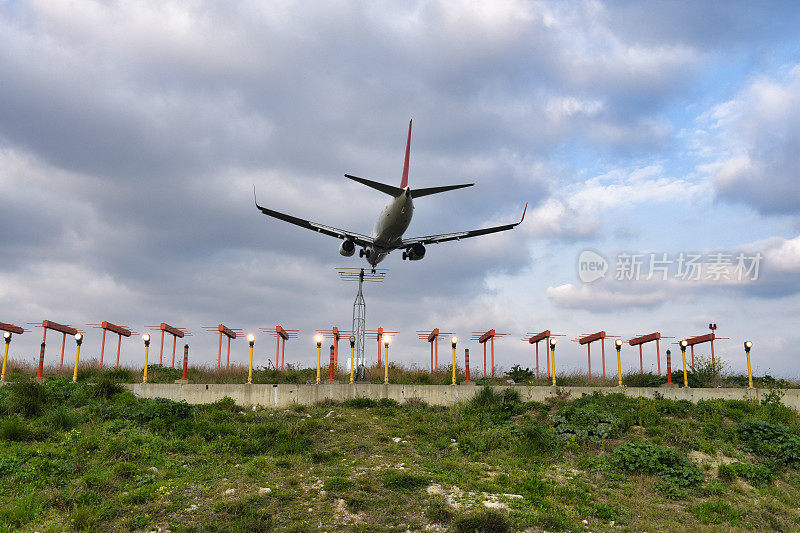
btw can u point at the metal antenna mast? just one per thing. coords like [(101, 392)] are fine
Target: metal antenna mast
[(360, 310)]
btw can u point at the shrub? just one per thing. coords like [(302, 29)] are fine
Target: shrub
[(21, 511), (337, 484), (758, 475), (360, 403), (123, 375), (15, 429), (62, 418), (399, 480), (439, 511), (486, 397), (653, 459), (125, 470), (603, 512), (26, 397), (519, 374), (771, 440), (84, 517), (647, 379), (106, 388), (488, 521), (715, 512), (584, 422), (227, 404), (537, 439), (388, 402)]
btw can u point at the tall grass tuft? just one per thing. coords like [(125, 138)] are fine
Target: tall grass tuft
[(26, 397)]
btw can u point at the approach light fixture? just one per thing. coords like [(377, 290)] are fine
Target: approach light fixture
[(146, 339), (748, 345), (387, 340), (553, 342), (318, 340), (618, 343), (252, 340), (684, 343), (7, 338), (78, 341), (454, 340)]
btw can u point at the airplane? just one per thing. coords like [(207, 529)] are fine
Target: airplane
[(392, 223)]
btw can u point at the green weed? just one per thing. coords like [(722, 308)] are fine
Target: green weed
[(488, 521), (717, 512)]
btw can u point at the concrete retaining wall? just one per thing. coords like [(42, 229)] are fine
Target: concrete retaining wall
[(283, 396)]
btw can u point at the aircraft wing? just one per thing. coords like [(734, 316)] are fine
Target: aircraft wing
[(359, 239), (444, 237)]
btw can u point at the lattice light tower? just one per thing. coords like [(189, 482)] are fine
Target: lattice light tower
[(360, 309)]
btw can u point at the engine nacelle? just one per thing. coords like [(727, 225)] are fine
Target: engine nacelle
[(415, 252), (347, 248)]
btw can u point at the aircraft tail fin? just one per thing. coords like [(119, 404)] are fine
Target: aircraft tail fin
[(404, 181), (391, 190), (416, 193)]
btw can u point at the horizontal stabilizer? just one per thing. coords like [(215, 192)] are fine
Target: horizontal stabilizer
[(416, 193), (391, 190)]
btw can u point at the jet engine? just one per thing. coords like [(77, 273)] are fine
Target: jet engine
[(415, 252), (347, 248)]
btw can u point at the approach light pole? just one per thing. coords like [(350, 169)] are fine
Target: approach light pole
[(352, 340), (684, 344), (251, 339), (318, 340), (747, 346), (146, 339), (453, 342), (618, 344), (386, 341), (78, 342), (553, 342), (7, 338)]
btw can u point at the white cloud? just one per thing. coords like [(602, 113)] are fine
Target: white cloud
[(603, 299), (753, 144)]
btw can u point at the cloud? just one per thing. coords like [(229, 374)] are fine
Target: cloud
[(603, 299), (766, 269), (753, 141)]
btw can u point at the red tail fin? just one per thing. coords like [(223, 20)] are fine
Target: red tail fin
[(404, 181)]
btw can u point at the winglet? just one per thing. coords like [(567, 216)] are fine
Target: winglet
[(523, 213), (255, 198), (404, 181)]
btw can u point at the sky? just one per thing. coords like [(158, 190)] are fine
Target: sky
[(660, 138)]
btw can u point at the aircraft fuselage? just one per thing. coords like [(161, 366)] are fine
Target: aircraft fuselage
[(392, 223)]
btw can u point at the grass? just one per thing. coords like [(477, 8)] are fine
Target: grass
[(703, 375), (89, 457)]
